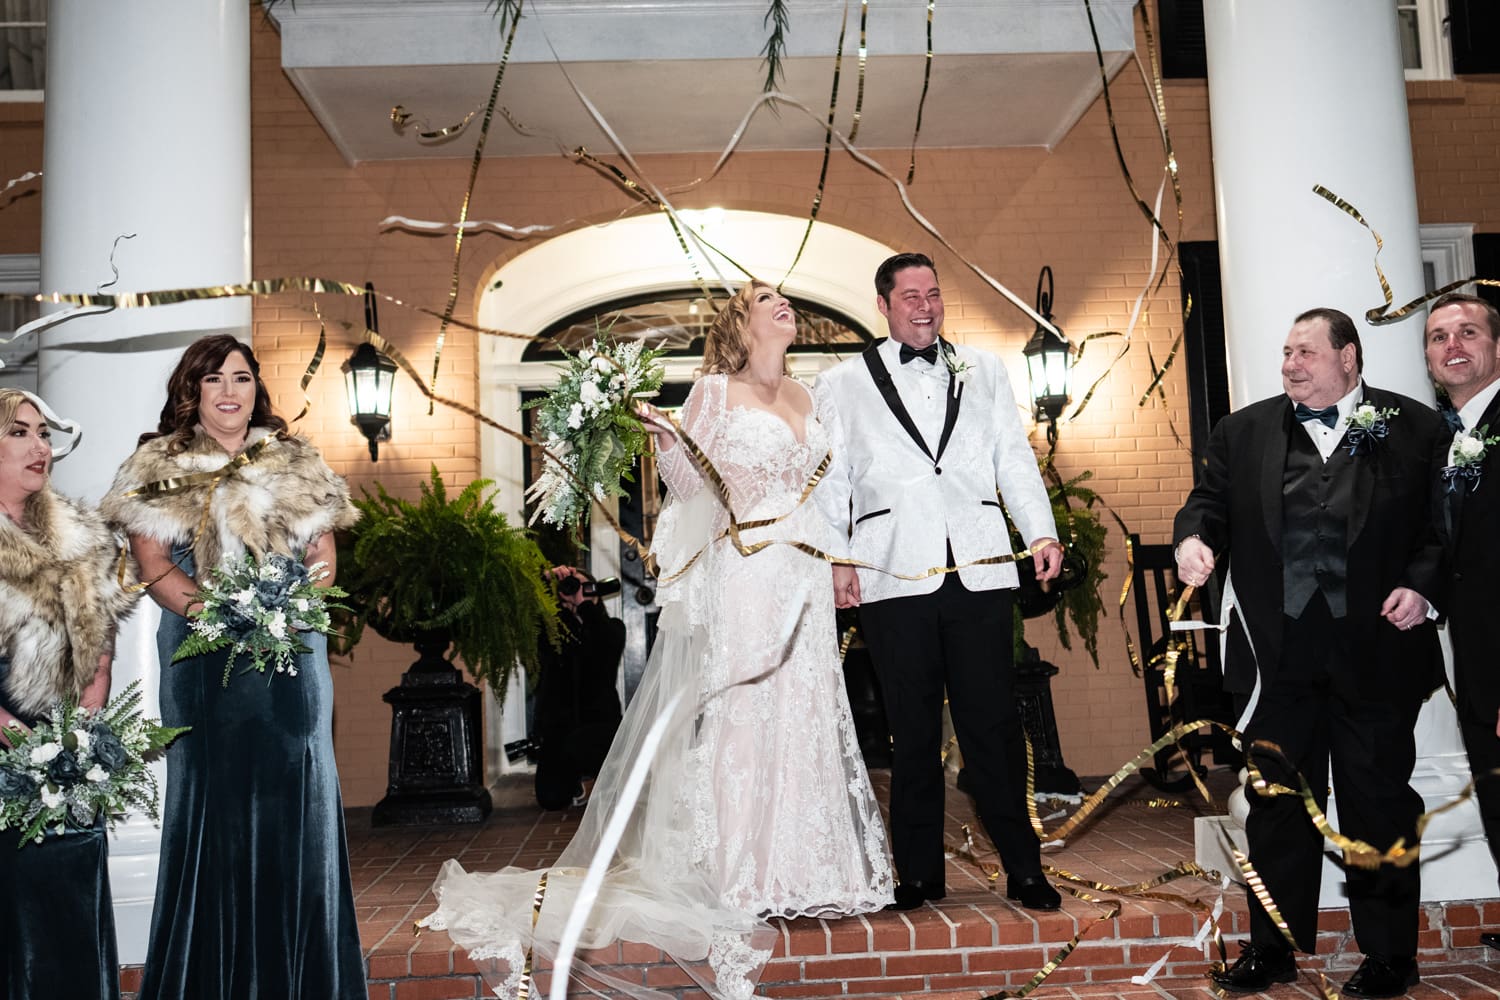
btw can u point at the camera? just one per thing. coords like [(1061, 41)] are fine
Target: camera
[(570, 585)]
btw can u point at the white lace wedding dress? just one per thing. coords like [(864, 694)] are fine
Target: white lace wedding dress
[(757, 803)]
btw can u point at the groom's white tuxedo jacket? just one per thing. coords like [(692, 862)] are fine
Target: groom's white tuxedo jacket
[(899, 491)]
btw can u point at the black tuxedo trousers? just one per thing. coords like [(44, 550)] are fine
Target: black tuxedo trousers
[(1321, 711), (961, 641)]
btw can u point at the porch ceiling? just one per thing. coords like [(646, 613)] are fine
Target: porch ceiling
[(678, 76)]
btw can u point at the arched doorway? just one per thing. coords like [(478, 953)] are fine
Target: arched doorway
[(637, 270)]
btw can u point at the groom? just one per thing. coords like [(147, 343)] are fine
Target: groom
[(925, 440)]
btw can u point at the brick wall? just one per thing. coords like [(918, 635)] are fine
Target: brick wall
[(1009, 210)]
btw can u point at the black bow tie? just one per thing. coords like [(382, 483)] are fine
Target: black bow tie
[(1329, 415), (928, 354), (1451, 418)]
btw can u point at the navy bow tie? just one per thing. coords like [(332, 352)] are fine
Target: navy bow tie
[(1329, 415), (928, 354), (1451, 418)]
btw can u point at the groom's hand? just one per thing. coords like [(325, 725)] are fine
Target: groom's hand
[(845, 586), (1047, 559)]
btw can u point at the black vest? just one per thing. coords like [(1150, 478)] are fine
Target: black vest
[(1316, 498)]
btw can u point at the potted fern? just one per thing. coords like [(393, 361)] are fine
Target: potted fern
[(444, 571)]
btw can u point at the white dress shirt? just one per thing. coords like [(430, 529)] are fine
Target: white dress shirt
[(1326, 439), (1470, 413), (923, 389)]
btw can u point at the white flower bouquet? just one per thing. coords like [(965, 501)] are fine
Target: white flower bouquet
[(256, 608), (588, 423), (74, 765)]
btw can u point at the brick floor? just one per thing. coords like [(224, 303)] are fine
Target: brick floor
[(972, 944)]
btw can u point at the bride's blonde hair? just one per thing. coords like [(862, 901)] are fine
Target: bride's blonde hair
[(726, 350)]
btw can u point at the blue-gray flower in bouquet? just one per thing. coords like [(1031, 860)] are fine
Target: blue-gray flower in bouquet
[(16, 784), (107, 749), (64, 769)]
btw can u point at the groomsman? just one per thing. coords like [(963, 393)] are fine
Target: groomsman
[(925, 440), (1320, 499), (1463, 356)]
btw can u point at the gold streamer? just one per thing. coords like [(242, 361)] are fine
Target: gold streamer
[(6, 197), (1384, 314), (463, 212), (1111, 910), (911, 170), (1263, 895), (259, 288), (400, 117), (864, 57), (1109, 112), (313, 366), (523, 989), (833, 104)]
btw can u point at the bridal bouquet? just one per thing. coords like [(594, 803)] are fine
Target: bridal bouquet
[(74, 765), (588, 423), (256, 608)]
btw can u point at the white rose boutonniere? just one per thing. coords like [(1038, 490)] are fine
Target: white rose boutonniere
[(959, 369), (1367, 428), (1469, 450)]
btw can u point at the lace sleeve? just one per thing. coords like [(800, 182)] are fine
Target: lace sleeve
[(701, 416)]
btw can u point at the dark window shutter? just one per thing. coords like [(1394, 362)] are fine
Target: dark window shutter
[(1203, 343), (1474, 32), (1184, 49), (1487, 265)]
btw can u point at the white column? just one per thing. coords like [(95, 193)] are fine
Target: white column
[(147, 132), (1313, 93)]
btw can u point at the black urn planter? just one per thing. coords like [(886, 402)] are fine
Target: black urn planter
[(437, 765)]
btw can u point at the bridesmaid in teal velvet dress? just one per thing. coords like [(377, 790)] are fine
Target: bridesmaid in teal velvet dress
[(253, 896), (57, 931)]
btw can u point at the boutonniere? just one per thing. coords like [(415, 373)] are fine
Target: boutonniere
[(1468, 457), (958, 369), (1368, 427)]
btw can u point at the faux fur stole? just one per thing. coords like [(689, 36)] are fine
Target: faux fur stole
[(278, 503), (60, 598)]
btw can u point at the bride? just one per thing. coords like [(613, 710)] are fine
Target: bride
[(757, 803)]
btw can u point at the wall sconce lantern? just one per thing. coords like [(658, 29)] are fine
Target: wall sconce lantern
[(369, 378), (1048, 355)]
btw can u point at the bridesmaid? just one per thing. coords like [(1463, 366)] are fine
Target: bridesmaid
[(59, 602), (253, 899)]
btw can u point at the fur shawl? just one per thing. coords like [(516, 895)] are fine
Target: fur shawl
[(279, 503), (59, 600)]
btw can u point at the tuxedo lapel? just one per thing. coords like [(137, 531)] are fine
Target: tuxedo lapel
[(1490, 471), (955, 396), (1274, 436), (892, 399)]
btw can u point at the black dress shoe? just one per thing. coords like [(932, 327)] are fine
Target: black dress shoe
[(910, 895), (1033, 892), (1490, 940), (1256, 969), (1382, 977)]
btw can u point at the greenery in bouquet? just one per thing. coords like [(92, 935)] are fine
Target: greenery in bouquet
[(452, 566), (256, 608), (588, 425), (74, 765)]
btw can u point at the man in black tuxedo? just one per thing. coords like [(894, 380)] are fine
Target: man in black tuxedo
[(1463, 356), (1334, 557)]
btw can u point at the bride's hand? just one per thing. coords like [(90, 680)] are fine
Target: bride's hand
[(656, 422)]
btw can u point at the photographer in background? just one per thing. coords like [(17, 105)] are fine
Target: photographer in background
[(577, 707)]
